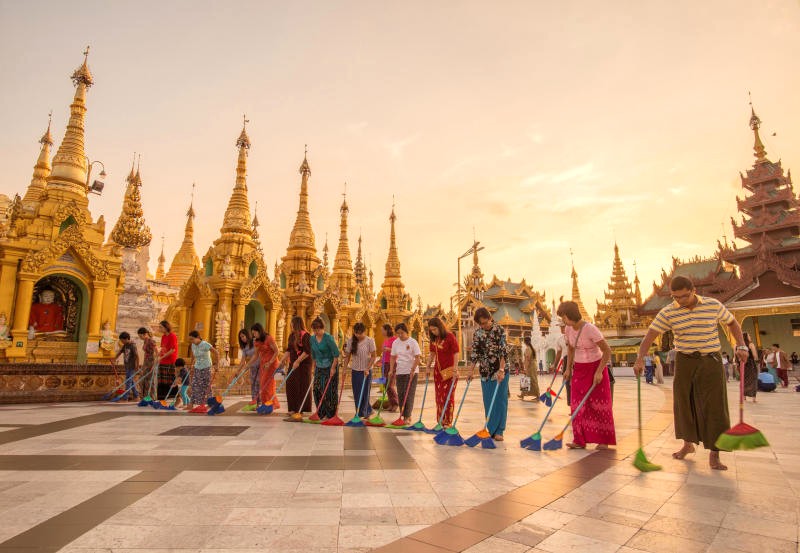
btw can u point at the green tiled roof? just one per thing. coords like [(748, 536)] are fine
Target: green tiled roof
[(623, 342)]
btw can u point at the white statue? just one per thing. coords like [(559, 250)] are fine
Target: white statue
[(107, 339), (31, 333), (4, 330), (227, 269)]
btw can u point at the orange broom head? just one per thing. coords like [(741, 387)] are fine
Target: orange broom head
[(559, 437), (297, 416), (482, 434)]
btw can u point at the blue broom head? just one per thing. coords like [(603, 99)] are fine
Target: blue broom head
[(441, 437), (488, 443), (546, 399), (143, 403), (216, 410), (381, 380), (355, 422), (535, 446), (454, 440), (552, 445), (435, 430), (170, 407), (264, 409), (156, 405), (472, 441), (214, 400)]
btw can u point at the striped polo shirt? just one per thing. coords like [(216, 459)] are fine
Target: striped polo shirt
[(693, 329)]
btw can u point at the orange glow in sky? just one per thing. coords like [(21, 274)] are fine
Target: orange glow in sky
[(545, 126)]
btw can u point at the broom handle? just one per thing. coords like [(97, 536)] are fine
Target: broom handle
[(279, 388), (408, 389), (424, 395), (183, 382), (578, 408), (491, 404), (135, 383), (383, 396), (460, 405), (552, 405), (341, 392), (741, 392), (639, 407), (234, 381), (555, 374), (446, 401)]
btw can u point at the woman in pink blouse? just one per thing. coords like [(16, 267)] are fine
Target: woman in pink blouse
[(587, 360)]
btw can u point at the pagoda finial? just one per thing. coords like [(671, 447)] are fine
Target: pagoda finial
[(42, 168), (302, 235), (325, 253), (305, 169), (393, 259), (131, 231), (359, 270), (161, 260), (70, 165), (343, 274), (759, 152), (237, 215), (186, 259)]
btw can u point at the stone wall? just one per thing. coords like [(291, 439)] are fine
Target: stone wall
[(55, 382)]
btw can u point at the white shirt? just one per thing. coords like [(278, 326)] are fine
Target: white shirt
[(406, 352)]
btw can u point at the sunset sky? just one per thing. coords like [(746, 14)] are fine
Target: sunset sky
[(544, 125)]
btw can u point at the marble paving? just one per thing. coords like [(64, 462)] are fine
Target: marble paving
[(115, 477)]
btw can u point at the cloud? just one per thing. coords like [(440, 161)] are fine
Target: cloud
[(356, 127), (397, 147), (592, 199), (579, 173)]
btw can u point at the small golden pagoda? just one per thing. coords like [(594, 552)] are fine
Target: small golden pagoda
[(186, 260), (576, 295), (58, 282), (618, 318)]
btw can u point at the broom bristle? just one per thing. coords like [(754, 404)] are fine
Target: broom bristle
[(333, 421), (455, 440), (640, 462), (488, 443), (536, 445), (472, 441), (728, 441)]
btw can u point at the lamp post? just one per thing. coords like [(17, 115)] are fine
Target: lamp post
[(97, 186)]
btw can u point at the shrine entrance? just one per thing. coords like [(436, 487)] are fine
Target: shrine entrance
[(60, 309), (254, 312)]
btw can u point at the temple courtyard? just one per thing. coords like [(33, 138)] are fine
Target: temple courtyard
[(100, 477)]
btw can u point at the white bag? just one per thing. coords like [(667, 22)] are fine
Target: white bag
[(525, 383)]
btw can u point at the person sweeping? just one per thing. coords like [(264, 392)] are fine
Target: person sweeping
[(700, 400), (406, 356), (490, 353), (325, 356), (360, 354), (444, 358), (201, 364), (588, 354)]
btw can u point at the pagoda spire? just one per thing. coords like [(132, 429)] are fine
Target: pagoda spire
[(636, 291), (255, 225), (42, 168), (70, 165), (325, 253), (186, 260), (393, 259), (161, 260), (359, 270), (237, 216), (759, 152), (576, 294), (620, 308), (131, 231), (343, 274), (302, 236)]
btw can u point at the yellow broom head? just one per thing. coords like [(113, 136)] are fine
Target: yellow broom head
[(297, 416), (483, 434)]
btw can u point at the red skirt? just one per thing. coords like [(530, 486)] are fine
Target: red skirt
[(594, 423)]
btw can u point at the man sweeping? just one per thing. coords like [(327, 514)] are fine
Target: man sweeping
[(700, 400)]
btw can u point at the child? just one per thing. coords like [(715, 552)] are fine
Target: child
[(201, 363), (130, 360), (149, 347), (182, 382), (267, 352)]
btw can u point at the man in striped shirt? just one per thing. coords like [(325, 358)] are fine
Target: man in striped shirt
[(700, 400)]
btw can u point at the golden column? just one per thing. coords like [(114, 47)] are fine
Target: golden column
[(8, 276), (273, 322), (22, 304), (96, 308)]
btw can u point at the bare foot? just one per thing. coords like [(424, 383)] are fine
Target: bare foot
[(684, 451), (573, 445), (498, 437), (601, 446), (714, 462)]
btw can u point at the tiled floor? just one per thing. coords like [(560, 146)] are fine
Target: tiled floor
[(109, 477)]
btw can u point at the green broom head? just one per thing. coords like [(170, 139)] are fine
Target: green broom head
[(418, 426), (249, 408), (377, 420), (531, 441), (640, 462), (741, 436)]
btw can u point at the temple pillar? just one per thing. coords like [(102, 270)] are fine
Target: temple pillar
[(335, 329), (96, 309), (757, 332), (273, 322), (8, 276), (182, 323), (207, 315), (22, 305)]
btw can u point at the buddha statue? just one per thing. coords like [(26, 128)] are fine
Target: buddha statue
[(47, 316), (4, 329), (107, 339)]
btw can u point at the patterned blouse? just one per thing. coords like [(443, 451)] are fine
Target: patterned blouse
[(149, 347), (364, 350), (488, 348)]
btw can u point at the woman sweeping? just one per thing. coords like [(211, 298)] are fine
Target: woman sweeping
[(299, 359), (529, 365), (750, 369), (361, 350), (267, 354), (490, 353), (587, 357), (386, 360), (166, 359), (326, 359), (201, 364), (444, 358), (250, 361)]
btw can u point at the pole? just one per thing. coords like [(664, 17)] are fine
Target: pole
[(458, 305)]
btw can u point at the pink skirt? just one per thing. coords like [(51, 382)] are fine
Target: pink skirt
[(594, 423)]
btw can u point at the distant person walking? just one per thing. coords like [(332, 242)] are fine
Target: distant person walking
[(530, 369), (649, 368), (782, 365), (700, 399), (659, 369), (750, 371)]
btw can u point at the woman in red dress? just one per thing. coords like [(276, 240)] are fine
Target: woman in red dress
[(444, 357), (167, 357)]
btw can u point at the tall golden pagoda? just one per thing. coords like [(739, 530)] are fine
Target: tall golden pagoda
[(576, 296), (343, 278), (55, 273), (160, 274), (186, 260)]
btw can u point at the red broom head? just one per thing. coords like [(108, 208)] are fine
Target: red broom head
[(333, 421), (314, 417), (399, 422), (741, 429)]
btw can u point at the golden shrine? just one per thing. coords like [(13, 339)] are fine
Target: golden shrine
[(58, 281)]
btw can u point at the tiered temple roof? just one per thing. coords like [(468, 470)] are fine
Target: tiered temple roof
[(619, 311)]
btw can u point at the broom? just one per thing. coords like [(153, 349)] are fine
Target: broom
[(451, 436), (335, 420), (639, 459), (117, 385), (314, 418), (171, 406), (377, 420), (400, 421), (556, 443), (419, 426), (742, 435), (215, 406), (548, 395), (253, 405), (356, 420), (438, 428), (267, 408), (298, 417), (142, 376), (148, 399), (534, 441), (482, 436)]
